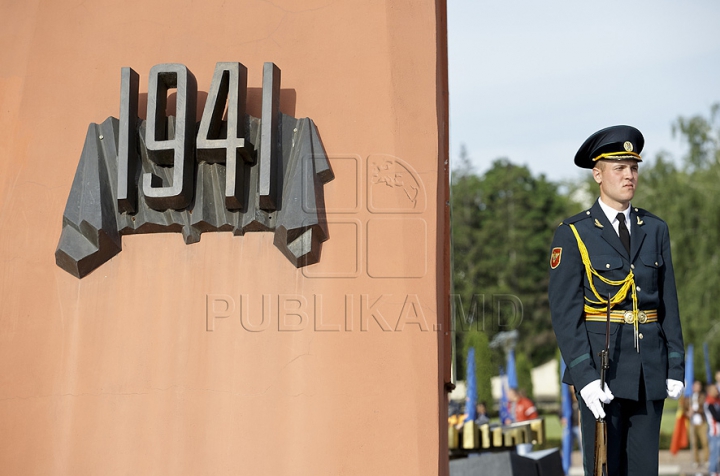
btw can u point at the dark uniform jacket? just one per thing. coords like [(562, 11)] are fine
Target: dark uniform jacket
[(661, 354)]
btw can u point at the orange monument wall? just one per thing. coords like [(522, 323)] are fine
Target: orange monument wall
[(221, 357)]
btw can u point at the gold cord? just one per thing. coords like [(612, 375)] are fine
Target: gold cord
[(624, 285)]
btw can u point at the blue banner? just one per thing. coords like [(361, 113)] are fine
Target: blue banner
[(511, 372), (567, 409), (504, 412), (689, 370), (470, 386)]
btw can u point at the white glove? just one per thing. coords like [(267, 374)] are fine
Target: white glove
[(594, 397), (674, 388)]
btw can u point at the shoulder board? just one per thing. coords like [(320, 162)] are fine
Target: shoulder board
[(576, 218)]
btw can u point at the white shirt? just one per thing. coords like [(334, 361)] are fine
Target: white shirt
[(611, 215)]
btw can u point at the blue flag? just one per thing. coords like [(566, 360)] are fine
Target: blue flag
[(689, 370), (567, 409), (511, 372), (504, 413), (471, 386)]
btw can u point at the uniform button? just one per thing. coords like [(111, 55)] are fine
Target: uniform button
[(656, 263), (638, 288), (587, 212), (607, 265), (640, 336), (632, 266)]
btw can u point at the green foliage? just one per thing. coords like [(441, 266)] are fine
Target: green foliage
[(523, 367), (502, 226), (503, 222), (687, 199), (483, 364)]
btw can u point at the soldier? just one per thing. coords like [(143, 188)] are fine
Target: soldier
[(619, 250)]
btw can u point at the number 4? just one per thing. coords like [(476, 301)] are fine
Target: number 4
[(229, 85)]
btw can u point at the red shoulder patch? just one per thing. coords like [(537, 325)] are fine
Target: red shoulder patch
[(555, 257)]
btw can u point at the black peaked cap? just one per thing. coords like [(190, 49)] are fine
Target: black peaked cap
[(612, 143)]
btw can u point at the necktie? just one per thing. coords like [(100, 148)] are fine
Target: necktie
[(623, 232)]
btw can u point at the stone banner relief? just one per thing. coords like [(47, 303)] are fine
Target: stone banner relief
[(230, 172)]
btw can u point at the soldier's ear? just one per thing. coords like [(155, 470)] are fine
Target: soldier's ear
[(597, 175)]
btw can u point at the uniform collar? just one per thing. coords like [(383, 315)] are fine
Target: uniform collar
[(611, 214), (604, 226)]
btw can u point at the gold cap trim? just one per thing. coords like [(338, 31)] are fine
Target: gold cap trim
[(618, 156)]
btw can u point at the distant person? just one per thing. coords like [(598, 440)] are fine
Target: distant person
[(469, 412), (712, 415), (481, 417), (456, 417), (695, 413), (521, 407)]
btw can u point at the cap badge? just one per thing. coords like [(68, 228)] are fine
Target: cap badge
[(628, 146)]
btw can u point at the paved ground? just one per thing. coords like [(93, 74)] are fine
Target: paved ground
[(680, 464)]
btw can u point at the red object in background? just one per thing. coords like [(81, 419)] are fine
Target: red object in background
[(680, 433), (525, 410)]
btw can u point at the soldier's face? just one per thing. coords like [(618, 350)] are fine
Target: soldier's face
[(617, 180)]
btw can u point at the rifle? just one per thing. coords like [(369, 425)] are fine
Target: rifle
[(600, 424)]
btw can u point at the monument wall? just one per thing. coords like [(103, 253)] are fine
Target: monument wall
[(222, 356)]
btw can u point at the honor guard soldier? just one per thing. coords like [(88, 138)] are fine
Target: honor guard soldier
[(617, 251)]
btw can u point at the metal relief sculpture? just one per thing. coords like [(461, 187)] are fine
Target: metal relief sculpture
[(236, 174)]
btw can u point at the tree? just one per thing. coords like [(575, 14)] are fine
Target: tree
[(524, 367), (504, 219), (483, 364), (502, 226), (687, 199)]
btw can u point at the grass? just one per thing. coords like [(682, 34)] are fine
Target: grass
[(553, 428), (668, 423), (553, 431)]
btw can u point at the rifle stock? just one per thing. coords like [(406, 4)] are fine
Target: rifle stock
[(600, 448), (600, 468)]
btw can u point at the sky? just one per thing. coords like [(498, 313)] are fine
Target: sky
[(531, 80)]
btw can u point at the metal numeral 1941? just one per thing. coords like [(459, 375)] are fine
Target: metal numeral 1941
[(229, 172)]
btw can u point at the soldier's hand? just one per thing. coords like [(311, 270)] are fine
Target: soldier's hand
[(594, 397), (674, 388)]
